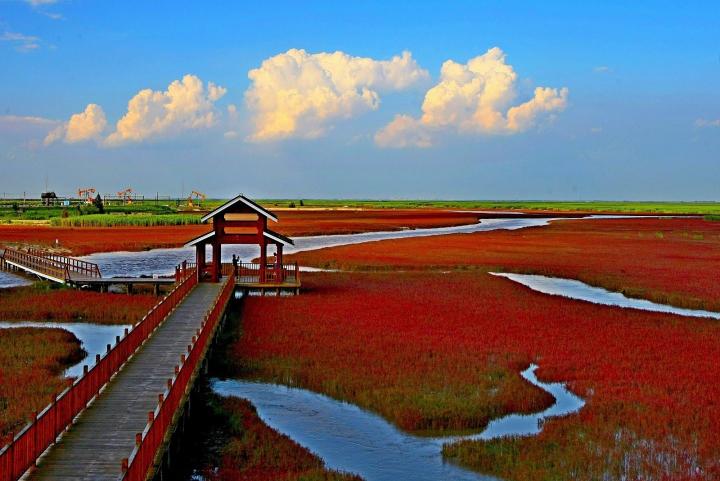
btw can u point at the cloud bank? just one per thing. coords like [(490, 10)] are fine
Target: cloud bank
[(86, 125), (472, 98), (187, 104), (297, 94)]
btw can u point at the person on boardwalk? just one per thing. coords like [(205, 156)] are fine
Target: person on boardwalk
[(235, 260)]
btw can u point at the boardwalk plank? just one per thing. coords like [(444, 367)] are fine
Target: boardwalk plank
[(104, 434)]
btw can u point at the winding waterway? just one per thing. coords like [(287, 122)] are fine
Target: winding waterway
[(574, 289), (349, 438), (163, 261), (94, 338)]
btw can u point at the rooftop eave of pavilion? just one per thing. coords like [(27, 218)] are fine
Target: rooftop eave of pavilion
[(243, 200), (274, 236), (200, 239), (278, 237)]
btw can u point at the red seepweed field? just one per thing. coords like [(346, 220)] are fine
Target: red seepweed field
[(451, 359), (420, 333), (434, 342), (255, 452), (32, 359), (69, 305), (31, 365), (86, 240), (667, 260)]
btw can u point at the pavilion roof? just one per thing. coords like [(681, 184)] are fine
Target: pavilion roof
[(240, 199)]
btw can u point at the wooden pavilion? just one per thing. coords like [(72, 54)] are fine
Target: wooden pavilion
[(242, 221)]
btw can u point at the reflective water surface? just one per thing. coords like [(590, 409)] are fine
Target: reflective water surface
[(94, 338), (597, 295), (8, 279), (163, 261), (349, 438)]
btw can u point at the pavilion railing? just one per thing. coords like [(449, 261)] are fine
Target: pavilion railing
[(182, 270), (149, 443), (274, 273), (25, 447)]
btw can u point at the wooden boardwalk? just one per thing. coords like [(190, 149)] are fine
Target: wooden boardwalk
[(104, 433)]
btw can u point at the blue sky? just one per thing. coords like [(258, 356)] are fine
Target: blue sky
[(640, 118)]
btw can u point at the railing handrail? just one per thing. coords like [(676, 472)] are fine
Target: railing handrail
[(272, 274), (25, 447), (52, 264), (149, 442)]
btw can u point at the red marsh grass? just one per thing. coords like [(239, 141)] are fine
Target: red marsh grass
[(433, 351), (669, 261), (41, 303), (255, 452), (85, 240), (32, 361)]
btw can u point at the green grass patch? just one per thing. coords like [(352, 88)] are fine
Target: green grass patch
[(138, 220)]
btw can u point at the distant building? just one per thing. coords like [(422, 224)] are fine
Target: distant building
[(48, 198)]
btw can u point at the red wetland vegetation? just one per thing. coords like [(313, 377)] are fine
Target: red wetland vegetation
[(86, 240), (432, 342), (254, 452), (451, 360), (664, 260), (32, 361), (36, 303)]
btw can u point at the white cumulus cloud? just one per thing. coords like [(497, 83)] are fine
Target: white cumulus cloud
[(472, 98), (186, 104), (298, 94), (86, 125)]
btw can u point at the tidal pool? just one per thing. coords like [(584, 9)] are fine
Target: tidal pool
[(94, 338), (351, 439), (574, 289)]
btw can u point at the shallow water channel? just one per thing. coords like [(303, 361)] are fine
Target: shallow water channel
[(163, 261), (94, 338), (349, 438), (8, 279), (579, 290)]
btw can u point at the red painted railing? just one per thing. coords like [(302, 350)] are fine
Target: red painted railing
[(43, 430), (74, 266), (274, 273), (149, 442), (37, 263), (181, 271)]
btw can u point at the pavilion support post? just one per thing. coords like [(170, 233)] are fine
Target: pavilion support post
[(200, 260), (216, 261), (280, 276), (263, 259)]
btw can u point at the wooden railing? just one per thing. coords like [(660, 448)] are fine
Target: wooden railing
[(36, 263), (85, 268), (182, 270), (273, 273), (52, 265), (43, 430), (149, 442)]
